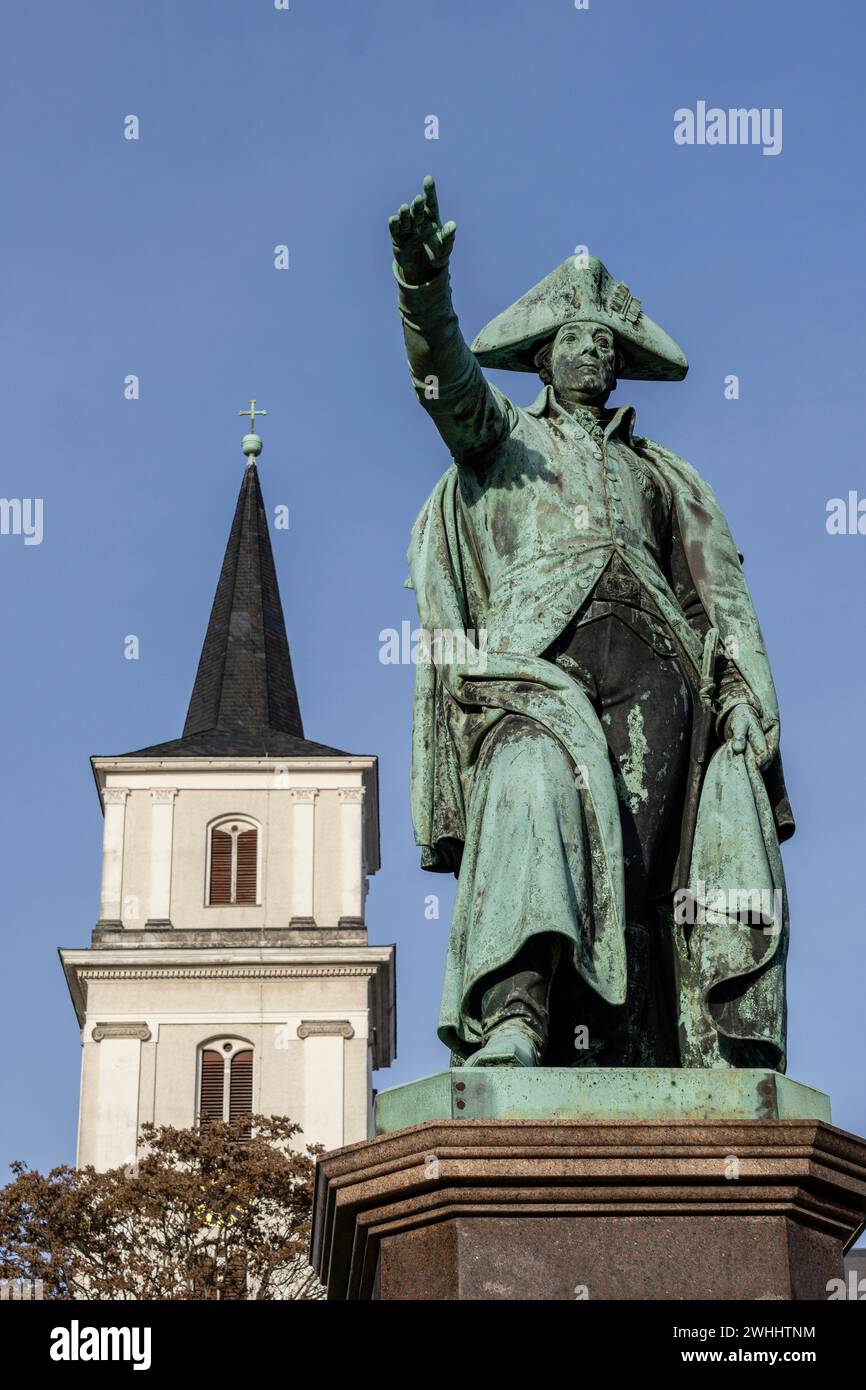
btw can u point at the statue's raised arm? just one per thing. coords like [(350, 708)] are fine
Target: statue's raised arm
[(470, 414)]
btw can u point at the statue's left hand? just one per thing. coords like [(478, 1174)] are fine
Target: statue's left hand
[(742, 729)]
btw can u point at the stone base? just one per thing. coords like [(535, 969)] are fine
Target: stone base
[(599, 1209), (599, 1093)]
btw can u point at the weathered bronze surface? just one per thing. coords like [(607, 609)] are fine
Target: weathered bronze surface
[(670, 1094), (596, 732)]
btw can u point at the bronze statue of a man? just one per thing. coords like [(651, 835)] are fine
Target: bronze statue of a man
[(597, 760)]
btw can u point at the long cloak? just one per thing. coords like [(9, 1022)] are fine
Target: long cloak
[(739, 968)]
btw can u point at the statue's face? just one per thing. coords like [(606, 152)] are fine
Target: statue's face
[(583, 362)]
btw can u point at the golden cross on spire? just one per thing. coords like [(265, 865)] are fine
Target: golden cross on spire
[(252, 412)]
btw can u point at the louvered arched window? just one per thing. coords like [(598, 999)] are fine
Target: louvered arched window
[(225, 1080), (233, 863)]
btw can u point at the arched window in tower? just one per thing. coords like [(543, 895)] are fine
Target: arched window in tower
[(233, 863), (225, 1081)]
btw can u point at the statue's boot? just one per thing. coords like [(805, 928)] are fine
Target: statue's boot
[(514, 1022)]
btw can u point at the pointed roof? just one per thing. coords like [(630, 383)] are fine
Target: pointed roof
[(244, 701)]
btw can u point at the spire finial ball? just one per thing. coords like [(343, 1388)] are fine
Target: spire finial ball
[(251, 443)]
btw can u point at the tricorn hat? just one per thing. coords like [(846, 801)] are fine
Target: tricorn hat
[(580, 290)]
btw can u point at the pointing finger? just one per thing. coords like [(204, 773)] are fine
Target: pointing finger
[(431, 198)]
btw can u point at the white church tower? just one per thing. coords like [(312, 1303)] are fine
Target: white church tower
[(229, 969)]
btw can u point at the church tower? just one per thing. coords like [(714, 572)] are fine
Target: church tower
[(229, 969)]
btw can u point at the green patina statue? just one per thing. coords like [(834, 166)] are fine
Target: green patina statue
[(596, 731)]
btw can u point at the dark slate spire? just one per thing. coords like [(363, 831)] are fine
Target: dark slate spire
[(244, 678), (244, 702)]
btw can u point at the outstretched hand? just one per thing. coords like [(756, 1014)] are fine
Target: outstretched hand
[(421, 243)]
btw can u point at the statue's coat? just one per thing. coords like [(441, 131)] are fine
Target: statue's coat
[(456, 569)]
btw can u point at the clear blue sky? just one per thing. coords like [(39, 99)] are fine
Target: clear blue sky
[(155, 257)]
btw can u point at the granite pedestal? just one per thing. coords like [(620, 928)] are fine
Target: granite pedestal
[(726, 1185)]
